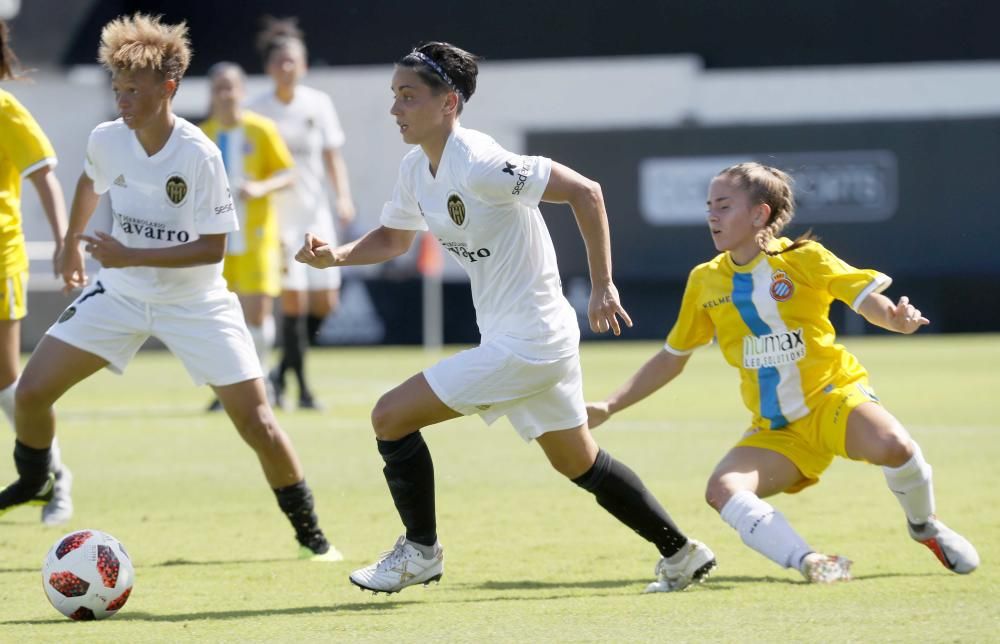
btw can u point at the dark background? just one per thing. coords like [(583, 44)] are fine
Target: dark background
[(724, 33)]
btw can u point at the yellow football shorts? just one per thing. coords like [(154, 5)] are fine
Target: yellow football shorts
[(14, 296), (812, 442), (257, 270)]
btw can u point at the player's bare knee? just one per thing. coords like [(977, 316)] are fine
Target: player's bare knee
[(385, 420), (897, 449), (570, 467), (258, 428), (30, 396), (719, 489)]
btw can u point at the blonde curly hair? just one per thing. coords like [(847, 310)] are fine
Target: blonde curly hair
[(142, 41)]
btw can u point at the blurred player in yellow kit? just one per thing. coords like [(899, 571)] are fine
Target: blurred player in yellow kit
[(258, 163), (25, 152), (767, 300)]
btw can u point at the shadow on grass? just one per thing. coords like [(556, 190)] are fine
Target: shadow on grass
[(180, 562), (139, 616), (715, 582), (549, 585)]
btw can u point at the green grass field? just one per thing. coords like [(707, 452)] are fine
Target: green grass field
[(529, 556)]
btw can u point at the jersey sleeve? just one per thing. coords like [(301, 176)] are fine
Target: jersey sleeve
[(333, 133), (403, 212), (94, 165), (23, 140), (214, 211), (841, 280), (498, 176), (694, 327)]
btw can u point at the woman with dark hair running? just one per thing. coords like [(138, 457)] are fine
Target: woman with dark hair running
[(481, 202)]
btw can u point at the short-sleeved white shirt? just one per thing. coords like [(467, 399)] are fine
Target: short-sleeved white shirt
[(309, 125), (483, 207), (172, 197)]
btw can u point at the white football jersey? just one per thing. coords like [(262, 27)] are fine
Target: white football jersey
[(483, 208), (170, 198), (309, 125)]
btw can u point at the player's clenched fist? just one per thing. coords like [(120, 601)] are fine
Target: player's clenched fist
[(315, 252)]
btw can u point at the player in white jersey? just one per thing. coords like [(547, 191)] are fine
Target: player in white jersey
[(308, 123), (161, 274), (481, 202)]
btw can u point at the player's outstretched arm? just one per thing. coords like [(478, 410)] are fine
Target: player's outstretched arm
[(374, 247), (50, 194), (587, 201), (657, 372), (901, 317)]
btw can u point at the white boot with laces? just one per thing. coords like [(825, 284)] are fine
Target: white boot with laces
[(402, 566), (697, 563)]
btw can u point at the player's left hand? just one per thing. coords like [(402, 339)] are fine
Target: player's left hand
[(905, 317), (107, 250), (605, 309)]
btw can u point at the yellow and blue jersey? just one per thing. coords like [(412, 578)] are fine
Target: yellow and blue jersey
[(771, 319), (24, 148), (252, 151)]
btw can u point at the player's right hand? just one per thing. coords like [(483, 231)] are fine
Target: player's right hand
[(315, 252), (69, 264), (597, 413)]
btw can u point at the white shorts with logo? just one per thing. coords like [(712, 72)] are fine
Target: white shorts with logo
[(537, 396), (209, 336), (296, 276)]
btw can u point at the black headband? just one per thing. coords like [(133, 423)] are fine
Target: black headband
[(437, 69)]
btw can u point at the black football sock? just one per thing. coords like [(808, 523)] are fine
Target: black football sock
[(293, 343), (32, 471), (620, 492), (313, 323), (296, 501), (409, 471)]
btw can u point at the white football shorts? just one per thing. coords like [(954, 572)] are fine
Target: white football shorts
[(296, 276), (209, 336), (536, 396)]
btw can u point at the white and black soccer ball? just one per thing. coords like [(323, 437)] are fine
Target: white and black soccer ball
[(87, 575)]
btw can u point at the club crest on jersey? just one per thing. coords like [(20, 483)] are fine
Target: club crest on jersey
[(782, 287), (177, 189), (456, 210)]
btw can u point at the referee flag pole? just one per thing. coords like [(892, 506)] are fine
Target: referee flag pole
[(430, 263)]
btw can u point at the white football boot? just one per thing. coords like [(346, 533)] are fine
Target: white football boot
[(952, 549), (825, 569), (402, 566), (59, 509), (692, 569)]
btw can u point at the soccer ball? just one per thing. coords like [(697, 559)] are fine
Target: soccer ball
[(87, 575)]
